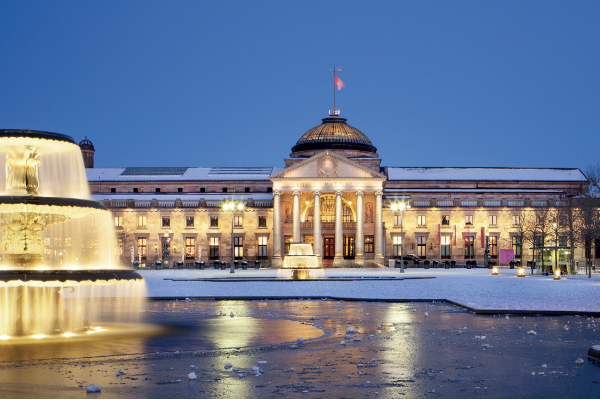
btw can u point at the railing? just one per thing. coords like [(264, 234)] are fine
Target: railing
[(539, 203), (445, 203), (263, 203), (468, 203), (145, 203), (118, 203), (166, 203), (421, 203), (560, 203), (492, 203), (190, 203), (214, 203), (516, 203), (328, 225)]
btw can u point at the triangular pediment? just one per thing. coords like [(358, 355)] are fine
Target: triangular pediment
[(327, 165)]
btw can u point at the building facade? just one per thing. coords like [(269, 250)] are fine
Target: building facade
[(368, 213)]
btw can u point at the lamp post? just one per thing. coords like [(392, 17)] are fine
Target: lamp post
[(401, 207), (232, 206), (555, 226), (486, 253)]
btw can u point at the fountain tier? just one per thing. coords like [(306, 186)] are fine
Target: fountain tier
[(301, 263)]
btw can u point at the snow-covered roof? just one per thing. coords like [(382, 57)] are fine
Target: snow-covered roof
[(486, 174), (182, 196), (181, 174), (413, 190)]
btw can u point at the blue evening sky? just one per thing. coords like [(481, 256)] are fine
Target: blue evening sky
[(236, 83)]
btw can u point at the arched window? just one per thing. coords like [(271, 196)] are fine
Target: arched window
[(328, 211)]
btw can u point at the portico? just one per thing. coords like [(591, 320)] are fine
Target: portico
[(348, 196)]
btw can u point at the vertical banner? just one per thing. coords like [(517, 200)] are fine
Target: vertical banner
[(506, 256)]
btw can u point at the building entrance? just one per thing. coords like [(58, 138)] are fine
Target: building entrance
[(329, 247), (349, 242)]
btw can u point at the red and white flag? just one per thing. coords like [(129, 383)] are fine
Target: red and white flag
[(338, 82)]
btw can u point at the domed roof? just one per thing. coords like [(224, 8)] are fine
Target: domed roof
[(334, 133), (86, 144)]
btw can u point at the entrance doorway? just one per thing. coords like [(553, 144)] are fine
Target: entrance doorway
[(349, 247), (329, 247)]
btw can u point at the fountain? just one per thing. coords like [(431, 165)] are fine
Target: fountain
[(56, 274), (300, 263)]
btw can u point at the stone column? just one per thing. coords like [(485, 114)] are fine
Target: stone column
[(360, 234), (379, 226), (339, 229), (318, 240), (296, 217), (276, 228)]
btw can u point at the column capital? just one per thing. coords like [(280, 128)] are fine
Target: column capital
[(317, 192), (339, 192), (276, 192), (296, 192), (359, 192), (379, 192)]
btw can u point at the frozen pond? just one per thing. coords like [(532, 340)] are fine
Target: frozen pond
[(414, 350)]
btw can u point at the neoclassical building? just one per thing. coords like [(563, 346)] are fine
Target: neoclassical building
[(368, 213)]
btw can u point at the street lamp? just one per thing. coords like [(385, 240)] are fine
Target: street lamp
[(486, 253), (232, 206), (401, 207), (555, 226)]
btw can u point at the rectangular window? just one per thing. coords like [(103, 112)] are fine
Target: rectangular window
[(262, 247), (397, 243), (369, 244), (238, 247), (189, 221), (494, 246), (562, 241), (135, 190), (492, 220), (142, 221), (190, 248), (308, 239), (516, 220), (179, 190), (397, 220), (287, 240), (247, 189), (538, 241), (238, 221), (269, 190), (113, 190), (468, 220), (262, 221), (214, 248), (142, 248), (421, 220), (445, 220), (202, 190), (445, 247), (469, 246), (166, 222), (157, 190), (214, 222), (517, 245), (118, 221), (224, 190), (422, 246)]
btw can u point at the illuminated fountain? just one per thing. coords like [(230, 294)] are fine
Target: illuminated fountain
[(56, 274), (301, 263)]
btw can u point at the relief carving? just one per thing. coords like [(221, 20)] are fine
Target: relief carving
[(327, 167)]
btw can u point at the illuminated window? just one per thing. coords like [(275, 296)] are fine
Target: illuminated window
[(422, 246), (397, 220), (238, 221), (190, 248), (469, 246), (238, 247), (262, 247), (214, 222), (492, 220), (445, 220), (494, 246), (421, 220), (369, 244), (189, 221), (166, 222), (516, 220), (517, 245), (397, 243), (214, 248), (142, 221), (118, 221), (262, 222), (68, 242), (468, 220), (287, 240), (308, 239), (328, 211), (142, 248)]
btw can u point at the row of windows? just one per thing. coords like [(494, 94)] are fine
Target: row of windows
[(422, 220), (189, 221), (202, 190)]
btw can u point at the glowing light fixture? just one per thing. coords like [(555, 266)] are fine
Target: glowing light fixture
[(40, 336), (557, 275), (4, 337), (68, 334), (495, 271), (521, 273)]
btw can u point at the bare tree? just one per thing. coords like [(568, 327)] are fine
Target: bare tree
[(589, 227), (568, 226), (592, 172), (537, 229)]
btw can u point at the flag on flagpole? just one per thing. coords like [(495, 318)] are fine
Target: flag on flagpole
[(338, 82)]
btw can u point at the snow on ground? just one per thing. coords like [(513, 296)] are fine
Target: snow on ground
[(475, 288)]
